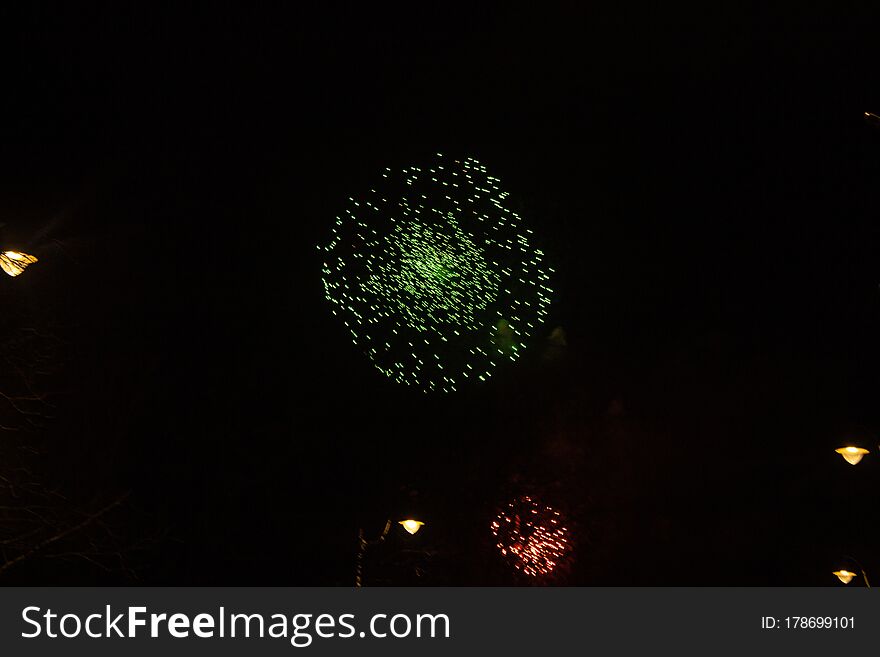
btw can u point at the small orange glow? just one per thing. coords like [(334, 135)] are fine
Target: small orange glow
[(844, 576), (15, 262), (851, 454), (412, 526)]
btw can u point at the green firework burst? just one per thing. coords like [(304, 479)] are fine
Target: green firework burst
[(435, 276)]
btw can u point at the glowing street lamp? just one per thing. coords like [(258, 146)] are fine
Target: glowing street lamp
[(15, 262), (845, 576), (852, 570), (851, 453), (410, 525)]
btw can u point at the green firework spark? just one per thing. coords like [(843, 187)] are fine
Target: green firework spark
[(435, 276)]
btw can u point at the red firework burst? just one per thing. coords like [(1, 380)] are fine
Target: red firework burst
[(532, 536)]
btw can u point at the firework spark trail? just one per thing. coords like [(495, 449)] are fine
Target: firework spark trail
[(531, 536), (435, 276)]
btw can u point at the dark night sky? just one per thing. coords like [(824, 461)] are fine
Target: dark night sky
[(704, 184)]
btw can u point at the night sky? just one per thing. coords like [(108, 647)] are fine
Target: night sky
[(703, 182)]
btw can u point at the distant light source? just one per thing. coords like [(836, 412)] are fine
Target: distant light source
[(851, 454), (845, 576), (15, 262), (412, 526)]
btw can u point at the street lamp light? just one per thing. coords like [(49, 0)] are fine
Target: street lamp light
[(15, 262), (846, 576), (851, 453), (409, 524)]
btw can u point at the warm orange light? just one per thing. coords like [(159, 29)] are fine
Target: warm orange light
[(412, 526), (845, 576), (15, 262), (851, 454)]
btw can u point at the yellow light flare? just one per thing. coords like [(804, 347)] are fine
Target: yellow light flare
[(845, 576), (15, 262), (412, 526), (851, 454)]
